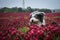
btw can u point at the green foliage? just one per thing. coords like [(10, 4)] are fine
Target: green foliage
[(28, 9), (20, 9), (24, 29), (57, 17), (45, 10)]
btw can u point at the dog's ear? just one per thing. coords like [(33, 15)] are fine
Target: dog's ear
[(42, 13), (34, 12)]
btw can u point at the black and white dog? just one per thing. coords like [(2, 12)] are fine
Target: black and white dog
[(37, 17)]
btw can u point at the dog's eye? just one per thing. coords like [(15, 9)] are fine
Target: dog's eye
[(39, 15), (35, 16)]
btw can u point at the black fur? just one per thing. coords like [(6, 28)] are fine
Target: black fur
[(39, 16)]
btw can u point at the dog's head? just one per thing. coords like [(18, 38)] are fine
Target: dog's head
[(37, 18)]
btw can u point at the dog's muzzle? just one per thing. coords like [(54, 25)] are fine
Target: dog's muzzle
[(34, 21)]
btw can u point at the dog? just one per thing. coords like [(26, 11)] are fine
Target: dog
[(37, 17)]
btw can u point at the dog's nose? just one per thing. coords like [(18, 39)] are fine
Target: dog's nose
[(32, 21)]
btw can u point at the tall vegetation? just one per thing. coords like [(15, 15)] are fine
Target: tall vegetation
[(28, 9)]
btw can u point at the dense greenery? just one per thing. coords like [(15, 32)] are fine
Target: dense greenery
[(28, 9)]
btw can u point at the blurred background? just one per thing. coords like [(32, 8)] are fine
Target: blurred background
[(30, 5)]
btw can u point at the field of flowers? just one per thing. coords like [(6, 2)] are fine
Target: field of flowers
[(14, 26)]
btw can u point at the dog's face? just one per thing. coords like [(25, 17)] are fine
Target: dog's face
[(37, 17)]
